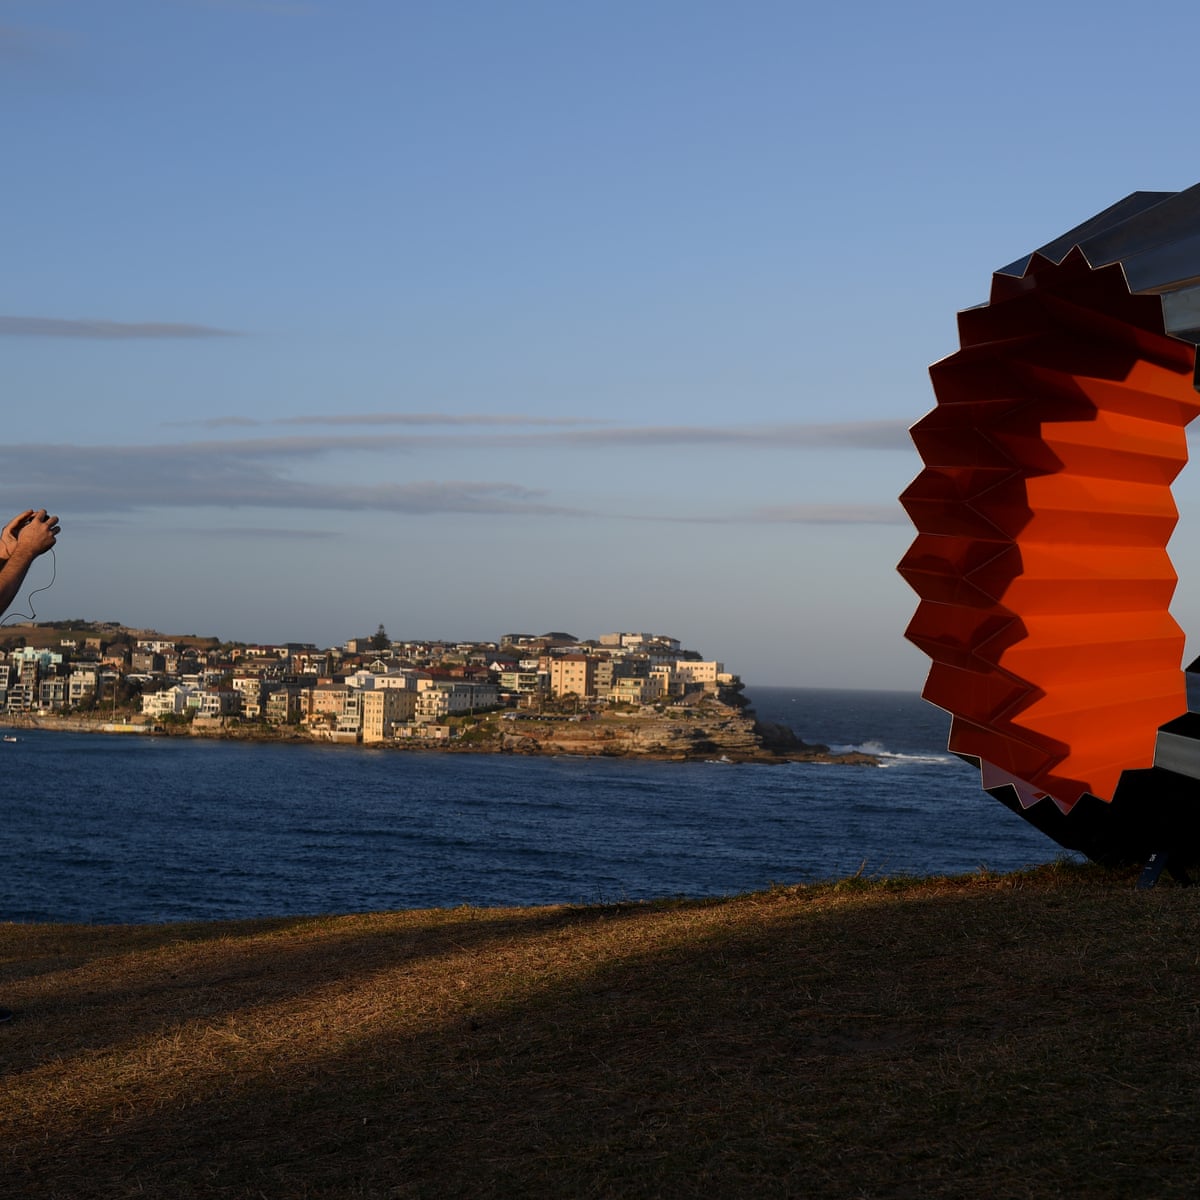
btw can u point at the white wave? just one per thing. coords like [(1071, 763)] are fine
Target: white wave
[(892, 758), (865, 748), (901, 760)]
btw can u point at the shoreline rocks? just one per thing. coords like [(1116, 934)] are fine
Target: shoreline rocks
[(708, 732)]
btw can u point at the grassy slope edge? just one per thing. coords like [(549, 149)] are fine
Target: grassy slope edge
[(1019, 1036)]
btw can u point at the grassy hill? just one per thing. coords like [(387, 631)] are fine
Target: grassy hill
[(1016, 1036), (49, 635)]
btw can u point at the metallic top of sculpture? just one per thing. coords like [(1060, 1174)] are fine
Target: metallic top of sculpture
[(1155, 238)]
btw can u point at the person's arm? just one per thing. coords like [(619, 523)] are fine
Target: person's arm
[(8, 535), (29, 537)]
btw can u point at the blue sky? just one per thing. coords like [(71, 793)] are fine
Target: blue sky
[(473, 318)]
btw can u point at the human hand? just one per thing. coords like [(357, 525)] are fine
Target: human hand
[(36, 534), (9, 534)]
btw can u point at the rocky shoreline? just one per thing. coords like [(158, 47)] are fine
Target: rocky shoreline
[(705, 735), (709, 731)]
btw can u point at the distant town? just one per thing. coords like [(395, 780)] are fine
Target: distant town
[(368, 690)]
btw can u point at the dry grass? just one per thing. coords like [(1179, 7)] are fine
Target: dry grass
[(1019, 1036)]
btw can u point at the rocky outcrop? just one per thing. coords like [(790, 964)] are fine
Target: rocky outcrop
[(714, 732)]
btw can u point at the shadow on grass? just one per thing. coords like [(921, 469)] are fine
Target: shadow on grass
[(909, 1041), (104, 984)]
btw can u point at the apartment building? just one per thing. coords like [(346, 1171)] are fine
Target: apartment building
[(611, 669), (640, 641), (172, 701), (572, 675), (637, 689), (405, 680), (385, 708), (215, 702), (523, 683), (327, 699), (285, 705), (703, 673), (438, 698), (23, 685), (156, 646), (42, 659), (252, 691), (84, 681), (668, 683), (349, 720), (52, 692)]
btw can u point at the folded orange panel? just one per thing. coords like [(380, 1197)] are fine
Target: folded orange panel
[(1043, 517)]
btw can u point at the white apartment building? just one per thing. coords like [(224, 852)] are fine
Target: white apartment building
[(83, 681), (451, 697), (403, 680), (349, 720), (215, 702), (171, 701), (524, 683), (45, 659), (639, 641), (156, 647)]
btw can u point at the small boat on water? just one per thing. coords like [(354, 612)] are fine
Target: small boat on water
[(8, 737)]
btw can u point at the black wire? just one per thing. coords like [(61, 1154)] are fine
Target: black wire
[(32, 615)]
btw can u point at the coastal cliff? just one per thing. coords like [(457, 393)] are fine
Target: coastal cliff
[(705, 732)]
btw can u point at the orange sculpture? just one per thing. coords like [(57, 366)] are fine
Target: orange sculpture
[(1043, 515)]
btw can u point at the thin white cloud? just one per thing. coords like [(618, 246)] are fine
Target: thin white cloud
[(482, 419), (849, 435), (581, 432), (276, 473), (857, 435), (255, 533), (794, 514), (216, 423), (831, 514), (57, 327), (416, 420), (108, 479)]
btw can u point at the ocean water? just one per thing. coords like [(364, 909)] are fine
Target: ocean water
[(134, 829)]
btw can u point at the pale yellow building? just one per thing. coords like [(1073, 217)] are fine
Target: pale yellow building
[(385, 708), (703, 673), (636, 689), (572, 675), (328, 699)]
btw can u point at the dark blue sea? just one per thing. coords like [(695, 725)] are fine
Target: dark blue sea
[(135, 829)]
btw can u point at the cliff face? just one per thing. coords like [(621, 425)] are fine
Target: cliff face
[(711, 731)]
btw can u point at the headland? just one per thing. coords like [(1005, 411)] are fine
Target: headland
[(637, 695)]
